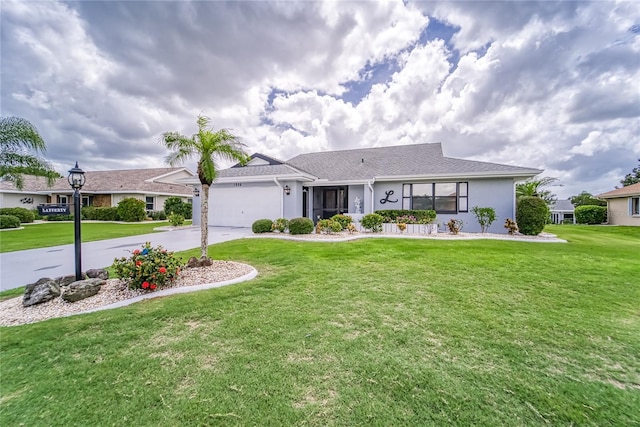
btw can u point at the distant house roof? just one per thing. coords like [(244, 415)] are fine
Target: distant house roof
[(395, 162), (114, 181), (629, 190), (563, 206)]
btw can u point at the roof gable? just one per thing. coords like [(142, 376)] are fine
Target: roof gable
[(629, 190)]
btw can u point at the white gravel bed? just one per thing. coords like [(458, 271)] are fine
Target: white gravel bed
[(12, 312)]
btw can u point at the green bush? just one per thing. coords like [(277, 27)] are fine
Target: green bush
[(421, 216), (343, 220), (531, 215), (485, 217), (131, 210), (100, 213), (9, 221), (176, 220), (262, 226), (176, 205), (300, 226), (148, 269), (328, 226), (280, 225), (160, 215), (36, 215), (372, 222), (591, 214), (59, 217), (23, 214)]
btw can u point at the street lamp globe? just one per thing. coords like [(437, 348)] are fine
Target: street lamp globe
[(76, 177)]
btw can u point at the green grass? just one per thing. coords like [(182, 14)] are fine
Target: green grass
[(369, 332), (42, 235)]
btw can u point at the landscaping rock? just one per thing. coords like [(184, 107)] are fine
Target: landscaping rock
[(65, 280), (43, 290), (82, 289), (98, 273), (202, 262)]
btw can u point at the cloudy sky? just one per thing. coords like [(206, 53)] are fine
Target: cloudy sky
[(549, 85)]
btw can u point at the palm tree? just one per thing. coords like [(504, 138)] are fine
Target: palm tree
[(534, 187), (207, 145), (19, 145)]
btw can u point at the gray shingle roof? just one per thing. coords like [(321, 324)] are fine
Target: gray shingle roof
[(401, 160), (563, 205), (130, 180), (261, 170)]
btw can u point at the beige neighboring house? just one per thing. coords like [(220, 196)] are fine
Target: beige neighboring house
[(103, 189), (623, 205)]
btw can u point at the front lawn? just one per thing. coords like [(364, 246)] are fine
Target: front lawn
[(42, 235), (368, 332)]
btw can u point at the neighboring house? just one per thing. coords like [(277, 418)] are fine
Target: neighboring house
[(623, 205), (562, 211), (320, 185), (103, 189)]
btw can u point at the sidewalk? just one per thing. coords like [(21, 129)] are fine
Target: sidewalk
[(23, 267)]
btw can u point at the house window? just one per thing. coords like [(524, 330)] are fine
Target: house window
[(635, 206), (150, 202), (86, 200), (63, 200), (442, 197)]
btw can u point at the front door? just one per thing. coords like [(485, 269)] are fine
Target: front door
[(329, 201)]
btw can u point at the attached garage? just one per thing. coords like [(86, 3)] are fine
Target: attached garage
[(239, 205)]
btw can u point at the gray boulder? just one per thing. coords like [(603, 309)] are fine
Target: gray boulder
[(98, 273), (65, 280), (205, 262), (82, 289), (43, 290)]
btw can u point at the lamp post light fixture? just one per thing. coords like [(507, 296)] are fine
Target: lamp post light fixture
[(287, 190), (76, 180)]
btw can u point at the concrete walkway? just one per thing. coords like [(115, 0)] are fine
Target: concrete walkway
[(23, 267)]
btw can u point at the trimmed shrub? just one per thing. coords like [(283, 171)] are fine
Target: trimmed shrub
[(485, 217), (300, 226), (107, 214), (161, 215), (176, 205), (23, 214), (9, 221), (343, 220), (36, 215), (280, 225), (88, 212), (60, 218), (372, 222), (591, 214), (176, 220), (262, 226), (328, 226), (531, 215), (421, 216), (131, 210)]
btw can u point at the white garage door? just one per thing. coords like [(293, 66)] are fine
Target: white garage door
[(241, 206)]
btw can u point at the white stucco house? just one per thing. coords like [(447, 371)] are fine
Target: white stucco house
[(561, 211), (103, 188), (322, 184)]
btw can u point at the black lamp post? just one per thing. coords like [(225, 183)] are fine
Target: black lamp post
[(76, 181)]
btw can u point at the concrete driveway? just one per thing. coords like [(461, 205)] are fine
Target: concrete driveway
[(24, 267)]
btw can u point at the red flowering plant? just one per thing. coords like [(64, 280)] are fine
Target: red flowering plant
[(148, 269)]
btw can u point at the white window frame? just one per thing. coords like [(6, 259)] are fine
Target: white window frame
[(146, 203), (634, 206)]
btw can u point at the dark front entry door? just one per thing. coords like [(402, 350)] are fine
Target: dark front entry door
[(329, 201)]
